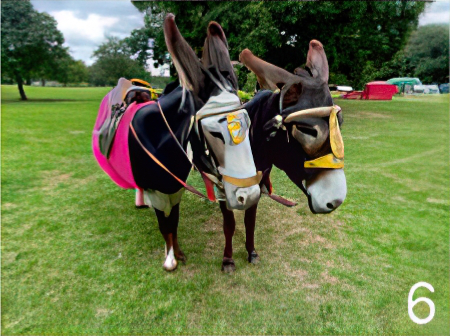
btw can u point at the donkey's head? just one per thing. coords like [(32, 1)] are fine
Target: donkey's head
[(213, 85), (312, 151)]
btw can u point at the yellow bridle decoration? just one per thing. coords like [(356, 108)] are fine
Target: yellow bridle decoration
[(334, 160), (235, 128)]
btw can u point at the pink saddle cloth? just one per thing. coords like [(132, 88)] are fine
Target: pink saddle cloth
[(118, 165)]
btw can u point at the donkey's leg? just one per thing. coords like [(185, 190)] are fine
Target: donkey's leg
[(174, 219), (166, 229), (139, 200), (250, 223), (229, 225)]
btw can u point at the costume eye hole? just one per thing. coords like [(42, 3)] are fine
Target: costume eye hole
[(307, 130), (218, 135)]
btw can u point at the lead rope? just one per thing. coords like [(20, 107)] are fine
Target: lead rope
[(204, 176), (159, 163)]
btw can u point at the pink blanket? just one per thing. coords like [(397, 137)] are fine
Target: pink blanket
[(118, 166)]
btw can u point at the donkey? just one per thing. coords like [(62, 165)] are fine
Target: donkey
[(294, 126), (149, 149)]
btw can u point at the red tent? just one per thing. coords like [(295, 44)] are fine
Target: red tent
[(379, 91)]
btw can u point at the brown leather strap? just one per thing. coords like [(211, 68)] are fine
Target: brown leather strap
[(159, 163), (205, 177)]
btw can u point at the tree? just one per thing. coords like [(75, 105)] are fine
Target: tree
[(31, 44), (428, 53), (75, 72), (353, 32), (114, 61), (399, 66), (139, 44), (425, 56), (78, 72)]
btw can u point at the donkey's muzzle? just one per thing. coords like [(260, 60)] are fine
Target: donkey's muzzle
[(326, 190), (241, 198)]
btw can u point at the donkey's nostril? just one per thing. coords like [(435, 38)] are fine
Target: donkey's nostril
[(334, 205), (241, 199)]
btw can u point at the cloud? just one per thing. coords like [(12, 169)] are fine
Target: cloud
[(113, 8), (92, 28), (85, 24), (436, 12)]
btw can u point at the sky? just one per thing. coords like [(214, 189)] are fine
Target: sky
[(86, 23)]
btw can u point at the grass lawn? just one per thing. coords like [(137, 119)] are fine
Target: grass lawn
[(78, 258)]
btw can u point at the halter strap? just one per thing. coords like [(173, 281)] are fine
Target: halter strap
[(244, 182), (219, 113), (238, 182)]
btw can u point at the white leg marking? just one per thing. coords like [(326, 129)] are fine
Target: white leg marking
[(170, 263)]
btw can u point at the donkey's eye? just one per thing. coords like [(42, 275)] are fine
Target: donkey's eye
[(308, 130), (218, 135)]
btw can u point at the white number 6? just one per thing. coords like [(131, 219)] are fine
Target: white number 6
[(412, 303)]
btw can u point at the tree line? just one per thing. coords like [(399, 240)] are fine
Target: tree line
[(32, 49), (364, 41)]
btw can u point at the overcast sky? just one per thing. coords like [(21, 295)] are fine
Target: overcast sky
[(85, 23)]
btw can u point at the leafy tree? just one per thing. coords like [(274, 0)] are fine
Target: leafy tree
[(399, 66), (31, 44), (114, 61), (425, 56), (139, 44), (76, 72), (353, 32), (428, 53)]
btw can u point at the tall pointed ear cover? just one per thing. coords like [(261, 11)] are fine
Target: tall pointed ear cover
[(269, 76), (215, 52), (317, 61), (273, 78), (186, 62)]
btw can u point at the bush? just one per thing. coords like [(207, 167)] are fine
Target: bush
[(159, 82), (250, 84), (338, 79), (245, 96)]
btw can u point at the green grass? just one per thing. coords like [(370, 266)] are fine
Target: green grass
[(78, 258)]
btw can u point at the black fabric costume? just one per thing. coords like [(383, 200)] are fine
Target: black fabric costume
[(156, 138)]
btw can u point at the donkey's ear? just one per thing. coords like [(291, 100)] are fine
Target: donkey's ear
[(272, 77), (269, 76), (317, 61), (186, 62), (215, 52)]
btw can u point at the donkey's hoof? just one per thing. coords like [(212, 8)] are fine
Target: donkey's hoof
[(228, 265), (181, 257), (170, 265), (253, 258)]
